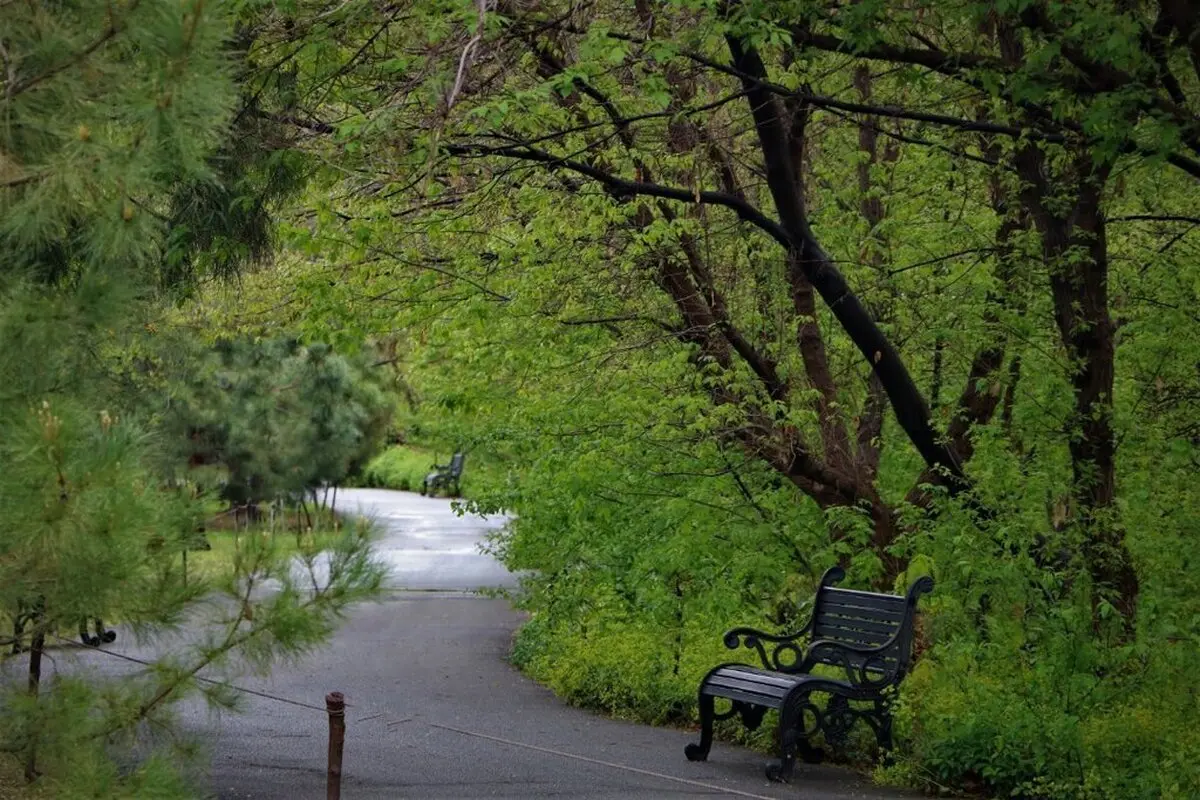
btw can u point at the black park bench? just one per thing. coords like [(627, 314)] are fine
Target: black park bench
[(444, 476), (31, 612), (865, 637)]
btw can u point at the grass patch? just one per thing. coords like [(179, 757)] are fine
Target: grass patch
[(218, 560), (13, 785)]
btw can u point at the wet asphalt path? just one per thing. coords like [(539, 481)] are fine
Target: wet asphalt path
[(428, 546), (434, 709)]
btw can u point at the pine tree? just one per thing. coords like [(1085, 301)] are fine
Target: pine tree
[(104, 109), (275, 419)]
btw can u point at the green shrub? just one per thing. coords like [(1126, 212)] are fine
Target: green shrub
[(630, 670), (1017, 727), (618, 669), (403, 468)]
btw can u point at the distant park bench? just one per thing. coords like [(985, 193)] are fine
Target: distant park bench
[(444, 476), (31, 613), (865, 636)]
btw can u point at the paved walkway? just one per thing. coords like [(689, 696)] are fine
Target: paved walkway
[(435, 711)]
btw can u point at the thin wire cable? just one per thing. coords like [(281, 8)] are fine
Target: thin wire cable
[(550, 751), (77, 646)]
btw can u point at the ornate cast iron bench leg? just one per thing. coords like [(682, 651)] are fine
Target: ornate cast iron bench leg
[(882, 723), (33, 613), (103, 635), (790, 719), (699, 752), (836, 724), (27, 612), (808, 753), (752, 716)]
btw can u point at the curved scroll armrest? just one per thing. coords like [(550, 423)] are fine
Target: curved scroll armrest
[(864, 666), (784, 643)]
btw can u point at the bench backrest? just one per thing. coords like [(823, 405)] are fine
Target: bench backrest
[(456, 464), (865, 620)]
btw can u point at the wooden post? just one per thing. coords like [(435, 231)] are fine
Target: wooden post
[(335, 705), (37, 644)]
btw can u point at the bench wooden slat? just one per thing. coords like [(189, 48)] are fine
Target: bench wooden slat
[(832, 620), (850, 598), (856, 638), (852, 638), (720, 685), (758, 675), (856, 663), (872, 614), (868, 599), (859, 637), (753, 698), (844, 616)]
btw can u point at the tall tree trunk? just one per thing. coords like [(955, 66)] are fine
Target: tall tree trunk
[(1075, 249), (912, 412), (1081, 311)]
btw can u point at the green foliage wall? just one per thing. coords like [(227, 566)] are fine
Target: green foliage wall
[(648, 541)]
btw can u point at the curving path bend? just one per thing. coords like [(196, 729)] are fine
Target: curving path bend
[(435, 711), (426, 545)]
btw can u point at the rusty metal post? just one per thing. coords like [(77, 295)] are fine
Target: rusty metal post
[(335, 705)]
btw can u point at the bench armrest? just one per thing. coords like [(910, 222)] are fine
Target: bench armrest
[(864, 666), (787, 644)]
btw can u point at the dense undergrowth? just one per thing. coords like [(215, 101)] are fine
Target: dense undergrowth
[(1015, 717), (1012, 695)]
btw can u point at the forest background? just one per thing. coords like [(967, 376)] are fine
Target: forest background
[(726, 293)]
